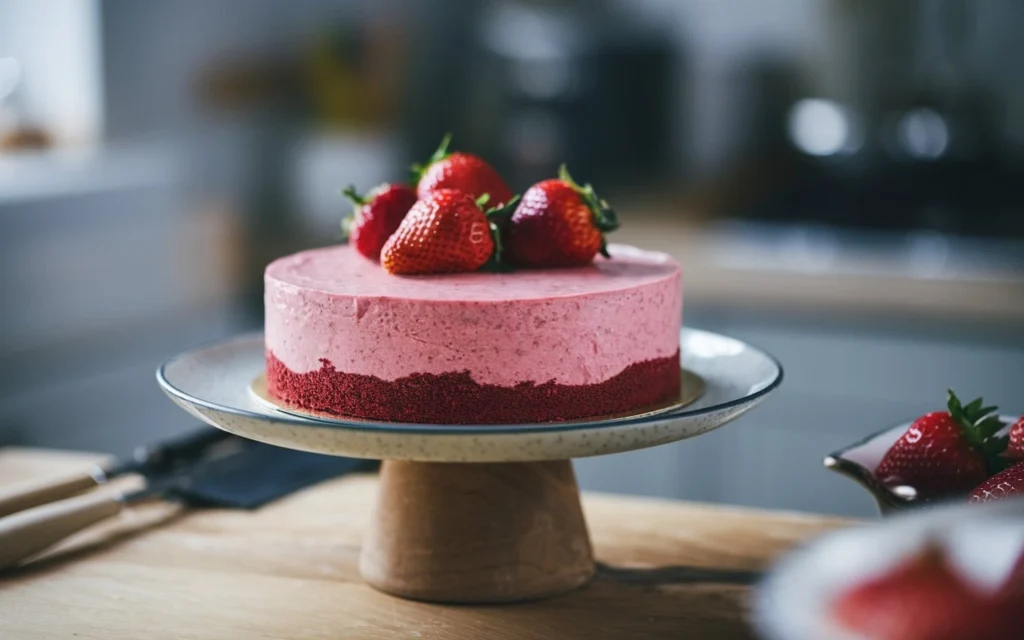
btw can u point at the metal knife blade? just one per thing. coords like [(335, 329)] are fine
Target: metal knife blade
[(251, 474)]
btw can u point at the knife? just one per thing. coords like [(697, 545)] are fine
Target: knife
[(147, 459), (240, 474)]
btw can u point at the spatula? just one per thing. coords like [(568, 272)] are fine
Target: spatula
[(160, 457), (239, 474)]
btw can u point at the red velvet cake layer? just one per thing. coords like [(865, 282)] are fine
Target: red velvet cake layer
[(454, 398)]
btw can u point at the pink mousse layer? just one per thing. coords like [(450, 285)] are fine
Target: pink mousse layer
[(571, 326)]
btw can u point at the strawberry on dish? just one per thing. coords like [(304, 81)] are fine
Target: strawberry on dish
[(946, 453), (1008, 482), (1015, 448)]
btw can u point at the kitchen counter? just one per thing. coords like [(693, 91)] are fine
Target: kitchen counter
[(667, 570), (804, 269)]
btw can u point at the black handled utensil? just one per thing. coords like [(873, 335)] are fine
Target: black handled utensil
[(239, 474), (147, 459)]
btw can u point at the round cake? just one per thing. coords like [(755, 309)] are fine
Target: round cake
[(347, 338)]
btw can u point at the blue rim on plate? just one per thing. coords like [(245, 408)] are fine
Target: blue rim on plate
[(693, 410)]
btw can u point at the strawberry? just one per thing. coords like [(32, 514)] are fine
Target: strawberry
[(946, 452), (924, 598), (558, 223), (376, 216), (444, 232), (1015, 449), (1007, 483), (462, 171)]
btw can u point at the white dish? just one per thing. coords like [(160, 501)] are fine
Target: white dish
[(859, 461), (792, 603), (213, 384)]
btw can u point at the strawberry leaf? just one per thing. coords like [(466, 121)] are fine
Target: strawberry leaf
[(347, 222), (439, 154), (502, 211), (350, 193), (499, 248), (605, 218), (980, 425), (995, 445), (990, 426)]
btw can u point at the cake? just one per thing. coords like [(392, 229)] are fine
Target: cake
[(345, 337)]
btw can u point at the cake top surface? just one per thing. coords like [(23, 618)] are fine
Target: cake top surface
[(341, 270)]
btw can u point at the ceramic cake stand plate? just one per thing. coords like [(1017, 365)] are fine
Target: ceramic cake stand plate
[(506, 527)]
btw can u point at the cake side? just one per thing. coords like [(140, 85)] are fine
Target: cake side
[(344, 337), (570, 326)]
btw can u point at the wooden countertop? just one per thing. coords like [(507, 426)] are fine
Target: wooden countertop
[(289, 571)]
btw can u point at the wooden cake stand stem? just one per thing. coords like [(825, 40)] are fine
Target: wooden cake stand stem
[(473, 533)]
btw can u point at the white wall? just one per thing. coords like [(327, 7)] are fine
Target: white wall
[(57, 45)]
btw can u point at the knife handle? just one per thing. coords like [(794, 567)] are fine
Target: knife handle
[(35, 493), (26, 533)]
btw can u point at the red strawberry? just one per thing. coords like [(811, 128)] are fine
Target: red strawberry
[(1005, 484), (946, 452), (461, 171), (377, 216), (559, 224), (1016, 447), (445, 232), (924, 599)]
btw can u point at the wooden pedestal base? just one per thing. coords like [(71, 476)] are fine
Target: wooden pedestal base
[(462, 533)]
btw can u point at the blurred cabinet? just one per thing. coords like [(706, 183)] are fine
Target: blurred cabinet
[(104, 272), (842, 383)]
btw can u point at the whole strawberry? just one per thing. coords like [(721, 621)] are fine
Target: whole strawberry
[(445, 232), (462, 171), (946, 452), (558, 223), (1015, 449), (376, 216), (1005, 484), (924, 598)]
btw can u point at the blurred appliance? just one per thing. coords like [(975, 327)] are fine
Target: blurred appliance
[(574, 82), (910, 123)]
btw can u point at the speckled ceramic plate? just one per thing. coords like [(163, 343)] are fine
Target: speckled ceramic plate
[(213, 383)]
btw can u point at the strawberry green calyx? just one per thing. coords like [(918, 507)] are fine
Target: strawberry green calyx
[(980, 425), (495, 217), (502, 211), (440, 154), (358, 201), (351, 193), (605, 218)]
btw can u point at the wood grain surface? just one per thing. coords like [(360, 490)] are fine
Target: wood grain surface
[(476, 533), (290, 570)]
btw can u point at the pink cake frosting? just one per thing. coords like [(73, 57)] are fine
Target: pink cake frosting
[(577, 326)]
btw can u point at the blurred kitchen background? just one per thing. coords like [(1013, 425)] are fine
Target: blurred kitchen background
[(843, 181)]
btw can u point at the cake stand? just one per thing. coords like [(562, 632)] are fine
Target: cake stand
[(487, 513)]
